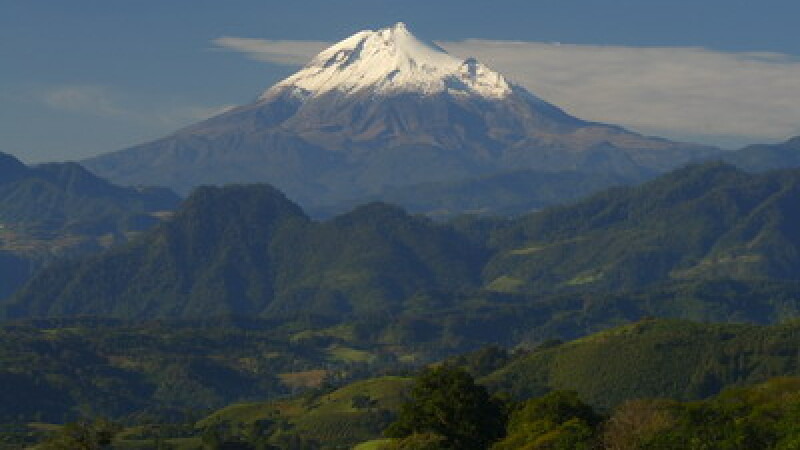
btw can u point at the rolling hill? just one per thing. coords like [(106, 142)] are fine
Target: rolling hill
[(652, 359), (248, 250), (711, 236), (708, 221), (655, 358), (57, 210)]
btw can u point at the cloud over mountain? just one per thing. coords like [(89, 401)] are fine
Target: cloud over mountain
[(275, 51), (690, 93)]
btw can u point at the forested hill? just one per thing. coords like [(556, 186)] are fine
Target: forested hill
[(654, 358), (248, 250), (65, 196), (60, 209), (709, 221)]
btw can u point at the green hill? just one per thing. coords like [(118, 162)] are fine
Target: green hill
[(706, 242), (762, 416), (248, 250), (655, 358), (665, 359), (701, 222), (61, 210), (67, 197), (354, 413)]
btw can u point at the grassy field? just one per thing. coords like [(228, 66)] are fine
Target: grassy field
[(375, 444), (305, 379), (352, 414)]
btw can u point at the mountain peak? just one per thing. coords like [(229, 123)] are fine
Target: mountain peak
[(401, 26), (398, 30), (389, 61), (384, 109)]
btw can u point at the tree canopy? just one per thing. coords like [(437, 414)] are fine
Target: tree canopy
[(446, 401)]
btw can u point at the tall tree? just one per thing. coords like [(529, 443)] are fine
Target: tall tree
[(447, 402)]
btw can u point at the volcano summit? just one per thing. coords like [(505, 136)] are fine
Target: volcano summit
[(382, 109)]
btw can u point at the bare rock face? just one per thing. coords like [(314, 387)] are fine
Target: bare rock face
[(382, 108)]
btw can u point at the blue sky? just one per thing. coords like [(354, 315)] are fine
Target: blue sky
[(80, 78)]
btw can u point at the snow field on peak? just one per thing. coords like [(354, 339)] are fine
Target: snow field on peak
[(390, 61)]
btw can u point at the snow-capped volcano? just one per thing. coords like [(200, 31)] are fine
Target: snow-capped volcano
[(381, 109), (387, 62)]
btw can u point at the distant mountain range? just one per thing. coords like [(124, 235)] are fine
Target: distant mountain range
[(380, 110), (520, 191), (502, 194), (761, 157)]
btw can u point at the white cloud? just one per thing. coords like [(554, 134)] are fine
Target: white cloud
[(86, 99), (177, 115), (678, 92), (674, 91), (105, 102), (279, 52)]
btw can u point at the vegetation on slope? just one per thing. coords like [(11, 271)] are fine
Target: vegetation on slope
[(340, 417), (701, 222), (59, 371), (149, 376), (248, 250), (655, 358), (763, 416), (61, 210)]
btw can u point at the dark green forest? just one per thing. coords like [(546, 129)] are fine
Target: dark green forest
[(61, 210), (248, 250)]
